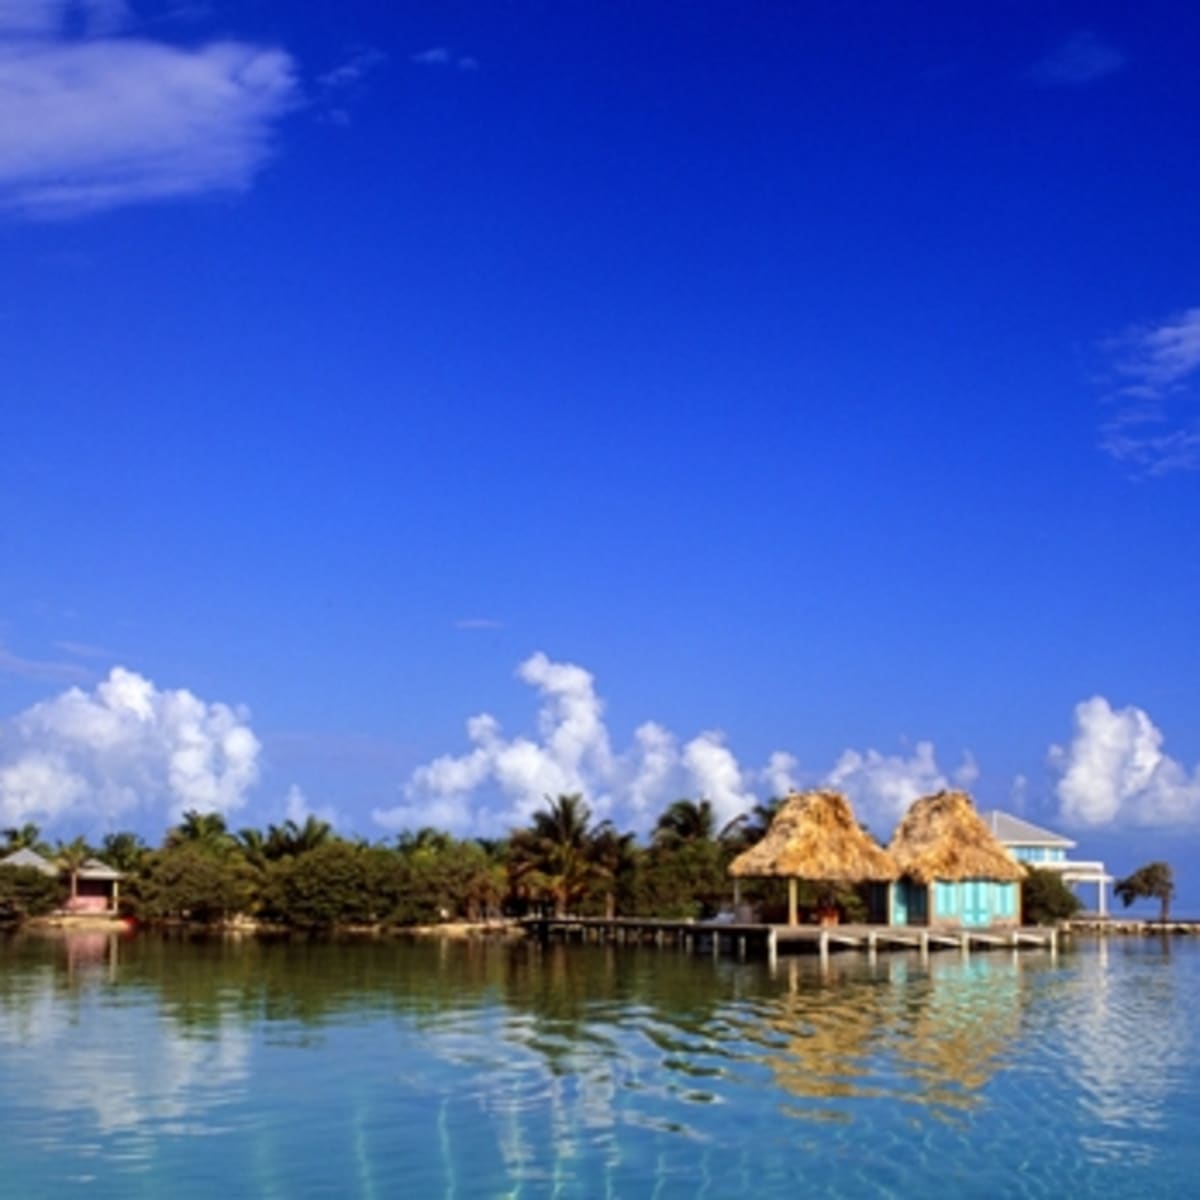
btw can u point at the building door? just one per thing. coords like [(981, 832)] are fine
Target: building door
[(900, 902), (975, 907)]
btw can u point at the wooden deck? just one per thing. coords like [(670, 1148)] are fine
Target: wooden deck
[(743, 938)]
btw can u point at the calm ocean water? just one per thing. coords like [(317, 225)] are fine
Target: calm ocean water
[(152, 1068)]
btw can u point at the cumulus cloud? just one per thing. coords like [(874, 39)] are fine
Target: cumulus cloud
[(1114, 772), (297, 808), (92, 117), (500, 780), (1081, 59), (1155, 399), (882, 786), (123, 746), (715, 775)]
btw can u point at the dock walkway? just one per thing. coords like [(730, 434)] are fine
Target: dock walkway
[(742, 938)]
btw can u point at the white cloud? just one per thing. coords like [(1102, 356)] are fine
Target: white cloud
[(435, 56), (44, 669), (716, 776), (655, 759), (1156, 400), (882, 786), (353, 70), (92, 120), (297, 808), (780, 774), (125, 745), (443, 56), (500, 780), (1115, 772), (1082, 58)]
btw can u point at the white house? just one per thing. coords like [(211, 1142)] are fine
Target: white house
[(1029, 843)]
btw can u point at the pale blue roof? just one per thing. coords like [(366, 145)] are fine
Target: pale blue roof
[(1014, 831)]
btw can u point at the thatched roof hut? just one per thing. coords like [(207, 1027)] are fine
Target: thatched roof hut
[(815, 836), (943, 837)]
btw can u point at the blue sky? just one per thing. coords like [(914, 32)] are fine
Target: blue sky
[(717, 397)]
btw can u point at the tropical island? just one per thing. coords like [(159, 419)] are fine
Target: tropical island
[(305, 876)]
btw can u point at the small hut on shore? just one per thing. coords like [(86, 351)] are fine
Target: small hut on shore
[(816, 837), (953, 871)]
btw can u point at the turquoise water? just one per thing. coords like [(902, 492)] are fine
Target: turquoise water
[(147, 1067)]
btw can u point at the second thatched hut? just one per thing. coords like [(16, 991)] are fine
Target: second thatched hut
[(815, 836), (953, 871)]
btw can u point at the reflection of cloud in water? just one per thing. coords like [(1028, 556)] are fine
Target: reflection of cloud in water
[(89, 1053), (1123, 1038)]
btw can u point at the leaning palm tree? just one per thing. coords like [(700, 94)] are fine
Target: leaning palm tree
[(1154, 881), (555, 854)]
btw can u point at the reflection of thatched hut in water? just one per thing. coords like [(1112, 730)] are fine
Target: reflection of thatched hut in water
[(815, 837), (952, 870)]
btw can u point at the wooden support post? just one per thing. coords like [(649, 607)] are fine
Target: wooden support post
[(742, 946), (716, 946), (925, 945), (823, 945), (793, 915), (872, 947), (772, 950)]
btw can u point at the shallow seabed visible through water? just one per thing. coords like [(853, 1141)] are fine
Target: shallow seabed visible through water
[(149, 1067)]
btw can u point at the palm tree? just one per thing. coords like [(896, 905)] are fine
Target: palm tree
[(254, 848), (425, 841), (750, 828), (614, 855), (201, 828), (1151, 882), (292, 840), (123, 851), (25, 837), (556, 853), (71, 856), (685, 821)]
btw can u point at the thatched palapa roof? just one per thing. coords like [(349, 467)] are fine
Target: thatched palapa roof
[(943, 837), (815, 836)]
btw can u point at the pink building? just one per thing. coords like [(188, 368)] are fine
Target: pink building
[(97, 885)]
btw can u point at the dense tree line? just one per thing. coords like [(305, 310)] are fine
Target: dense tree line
[(307, 875)]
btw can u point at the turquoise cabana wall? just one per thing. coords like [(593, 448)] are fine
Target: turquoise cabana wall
[(968, 902)]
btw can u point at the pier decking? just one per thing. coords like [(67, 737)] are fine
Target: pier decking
[(743, 938)]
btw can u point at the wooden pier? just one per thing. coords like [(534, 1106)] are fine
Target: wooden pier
[(769, 941)]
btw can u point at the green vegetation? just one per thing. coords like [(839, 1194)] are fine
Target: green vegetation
[(26, 892), (308, 876), (1154, 881), (1045, 899)]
